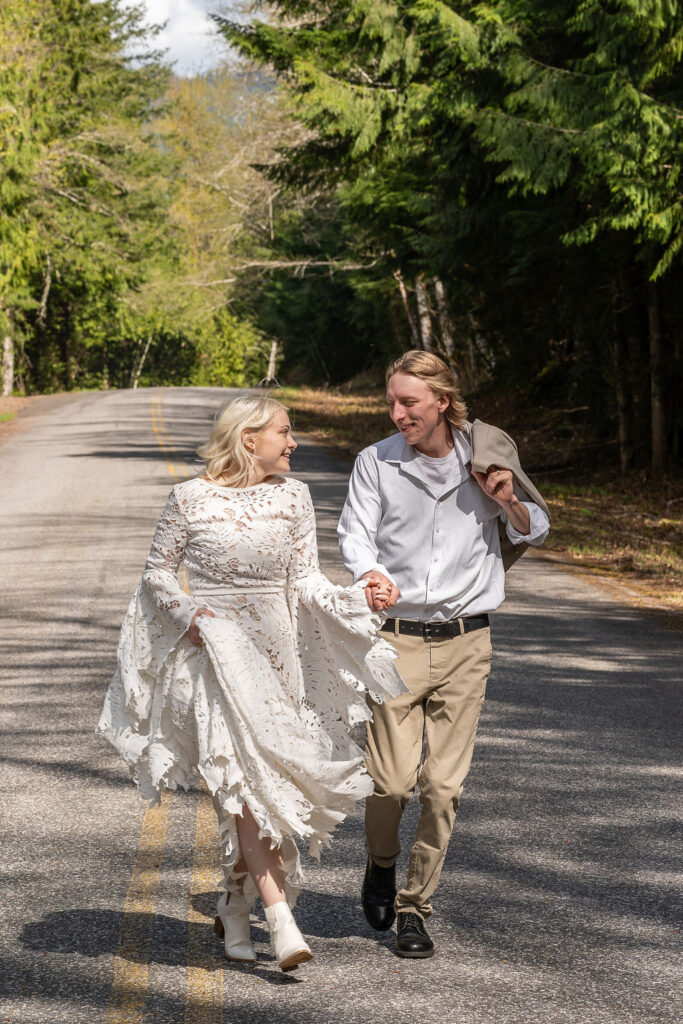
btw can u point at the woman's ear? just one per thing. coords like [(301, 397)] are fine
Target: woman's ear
[(247, 440)]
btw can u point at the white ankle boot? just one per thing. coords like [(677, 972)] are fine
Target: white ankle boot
[(287, 941), (232, 924)]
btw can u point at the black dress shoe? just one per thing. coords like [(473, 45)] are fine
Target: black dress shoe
[(378, 895), (411, 937)]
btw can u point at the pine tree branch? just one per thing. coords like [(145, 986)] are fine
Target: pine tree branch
[(676, 111), (534, 124), (300, 266)]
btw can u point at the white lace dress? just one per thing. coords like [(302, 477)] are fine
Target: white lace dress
[(262, 712)]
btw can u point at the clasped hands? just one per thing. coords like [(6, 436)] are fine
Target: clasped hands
[(380, 593)]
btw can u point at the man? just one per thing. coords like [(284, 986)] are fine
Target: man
[(429, 514)]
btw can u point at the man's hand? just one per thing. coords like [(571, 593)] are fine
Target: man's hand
[(193, 634), (380, 592), (498, 484)]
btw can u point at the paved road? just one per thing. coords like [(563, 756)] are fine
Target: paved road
[(559, 895)]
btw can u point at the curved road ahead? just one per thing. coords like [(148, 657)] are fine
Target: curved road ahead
[(559, 895)]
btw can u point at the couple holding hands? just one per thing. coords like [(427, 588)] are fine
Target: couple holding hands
[(253, 676)]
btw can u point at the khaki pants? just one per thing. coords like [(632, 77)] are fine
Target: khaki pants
[(447, 679)]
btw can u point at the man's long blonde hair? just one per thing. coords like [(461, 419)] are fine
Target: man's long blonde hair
[(438, 375), (224, 454)]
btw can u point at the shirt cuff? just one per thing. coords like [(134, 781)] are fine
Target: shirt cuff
[(539, 526), (373, 568)]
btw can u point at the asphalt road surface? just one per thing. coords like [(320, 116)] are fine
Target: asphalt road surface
[(560, 897)]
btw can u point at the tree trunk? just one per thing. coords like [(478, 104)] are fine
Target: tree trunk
[(406, 305), (7, 353), (624, 421), (135, 376), (657, 391), (66, 347), (272, 361), (7, 362), (47, 283), (445, 322), (423, 312), (620, 368), (677, 393)]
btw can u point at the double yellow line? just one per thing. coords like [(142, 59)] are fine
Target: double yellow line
[(204, 994), (162, 435)]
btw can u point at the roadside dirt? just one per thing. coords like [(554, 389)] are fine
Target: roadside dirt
[(10, 407)]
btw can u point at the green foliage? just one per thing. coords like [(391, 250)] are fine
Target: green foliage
[(82, 189), (599, 101), (498, 180), (522, 156), (232, 353), (106, 244)]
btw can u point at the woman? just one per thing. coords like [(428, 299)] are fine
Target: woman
[(252, 675)]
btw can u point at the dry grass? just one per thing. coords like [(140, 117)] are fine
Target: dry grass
[(346, 422), (631, 534), (627, 533)]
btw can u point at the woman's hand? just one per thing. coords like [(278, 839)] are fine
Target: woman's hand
[(193, 633)]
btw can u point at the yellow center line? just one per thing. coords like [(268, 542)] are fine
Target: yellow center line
[(160, 419), (161, 433), (129, 990), (204, 1003)]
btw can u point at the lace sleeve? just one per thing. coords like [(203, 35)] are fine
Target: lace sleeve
[(160, 578), (336, 632), (304, 559)]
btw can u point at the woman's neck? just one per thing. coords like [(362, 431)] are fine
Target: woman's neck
[(255, 477)]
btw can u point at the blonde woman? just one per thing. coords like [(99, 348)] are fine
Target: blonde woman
[(252, 676)]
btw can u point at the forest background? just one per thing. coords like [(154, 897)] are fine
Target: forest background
[(499, 182)]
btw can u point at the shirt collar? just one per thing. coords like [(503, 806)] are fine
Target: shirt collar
[(407, 457)]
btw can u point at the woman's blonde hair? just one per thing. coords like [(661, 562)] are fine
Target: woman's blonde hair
[(438, 375), (224, 454)]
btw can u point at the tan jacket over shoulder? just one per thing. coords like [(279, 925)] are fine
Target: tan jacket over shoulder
[(491, 446)]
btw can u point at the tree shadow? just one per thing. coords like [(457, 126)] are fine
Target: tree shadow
[(147, 939)]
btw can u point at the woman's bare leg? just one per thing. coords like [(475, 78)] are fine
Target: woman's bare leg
[(239, 871), (263, 864)]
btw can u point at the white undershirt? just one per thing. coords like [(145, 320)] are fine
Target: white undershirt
[(437, 471)]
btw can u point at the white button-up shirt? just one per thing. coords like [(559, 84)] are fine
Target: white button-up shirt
[(434, 534)]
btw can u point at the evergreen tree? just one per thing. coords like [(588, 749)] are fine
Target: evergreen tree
[(83, 185), (474, 147)]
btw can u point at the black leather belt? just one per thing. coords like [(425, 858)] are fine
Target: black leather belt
[(435, 630)]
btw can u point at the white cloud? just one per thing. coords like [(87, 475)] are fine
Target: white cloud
[(191, 38)]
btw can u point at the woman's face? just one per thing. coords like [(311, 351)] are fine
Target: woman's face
[(272, 446)]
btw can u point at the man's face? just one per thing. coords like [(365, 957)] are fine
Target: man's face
[(414, 407)]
